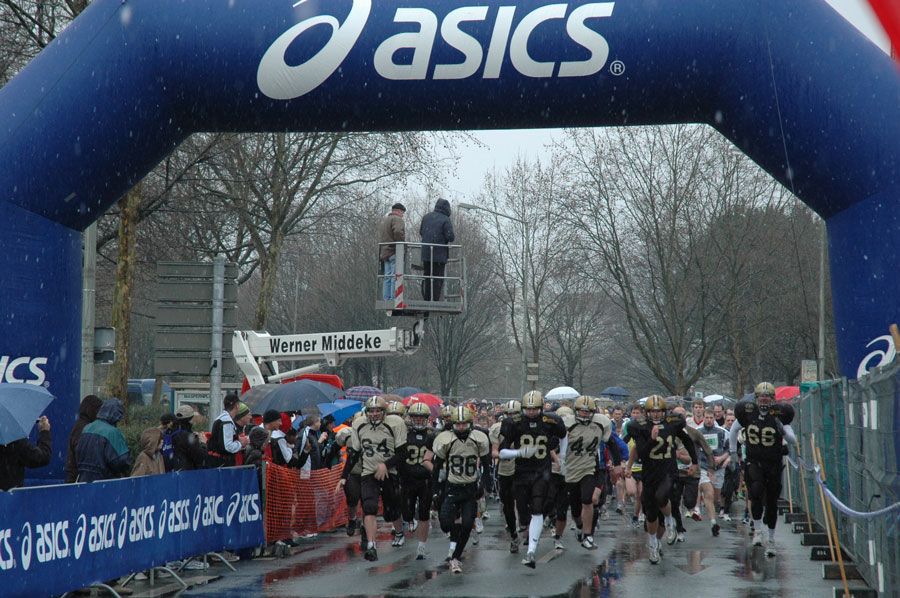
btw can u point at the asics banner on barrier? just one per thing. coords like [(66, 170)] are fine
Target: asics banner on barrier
[(60, 538)]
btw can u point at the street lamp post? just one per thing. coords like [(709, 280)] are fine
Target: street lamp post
[(468, 206)]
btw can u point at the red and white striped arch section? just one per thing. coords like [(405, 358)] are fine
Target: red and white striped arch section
[(888, 12), (792, 84)]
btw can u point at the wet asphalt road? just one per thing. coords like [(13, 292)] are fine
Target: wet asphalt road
[(332, 565)]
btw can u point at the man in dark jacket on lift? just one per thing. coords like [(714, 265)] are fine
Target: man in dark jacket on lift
[(437, 232)]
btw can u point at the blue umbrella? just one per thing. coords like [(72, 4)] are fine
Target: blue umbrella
[(361, 393), (20, 406), (340, 410), (614, 391), (301, 396), (406, 391)]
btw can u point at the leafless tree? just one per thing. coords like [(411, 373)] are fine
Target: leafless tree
[(578, 326), (267, 188), (530, 194), (645, 202), (458, 344)]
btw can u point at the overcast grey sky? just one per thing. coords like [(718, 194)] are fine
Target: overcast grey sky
[(500, 148)]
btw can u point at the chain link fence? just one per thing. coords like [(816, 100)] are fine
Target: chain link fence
[(854, 425)]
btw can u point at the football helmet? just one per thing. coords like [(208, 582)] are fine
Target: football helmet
[(585, 408), (765, 396), (375, 409), (655, 404), (396, 408), (419, 413), (462, 418)]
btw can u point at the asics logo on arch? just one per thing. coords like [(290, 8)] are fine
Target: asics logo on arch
[(280, 81)]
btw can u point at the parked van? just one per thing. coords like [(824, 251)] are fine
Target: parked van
[(140, 392)]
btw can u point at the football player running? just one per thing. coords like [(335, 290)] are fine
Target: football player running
[(655, 446), (379, 441), (415, 475), (588, 432), (528, 441), (505, 472), (458, 451), (766, 426)]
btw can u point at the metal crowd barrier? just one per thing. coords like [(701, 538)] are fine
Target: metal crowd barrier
[(854, 425)]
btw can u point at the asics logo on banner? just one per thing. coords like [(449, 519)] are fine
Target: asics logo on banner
[(22, 369), (280, 81), (883, 356)]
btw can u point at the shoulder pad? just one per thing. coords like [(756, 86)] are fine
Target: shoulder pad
[(569, 421), (786, 413), (744, 411), (602, 420)]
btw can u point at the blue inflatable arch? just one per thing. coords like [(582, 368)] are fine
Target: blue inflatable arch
[(791, 83)]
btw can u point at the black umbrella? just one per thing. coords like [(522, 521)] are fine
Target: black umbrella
[(255, 395), (406, 391), (614, 391), (301, 396)]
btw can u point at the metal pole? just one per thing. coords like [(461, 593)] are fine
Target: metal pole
[(820, 365), (215, 366), (88, 296), (524, 306)]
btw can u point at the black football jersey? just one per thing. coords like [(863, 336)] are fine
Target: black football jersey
[(658, 455), (418, 443), (543, 432), (763, 438)]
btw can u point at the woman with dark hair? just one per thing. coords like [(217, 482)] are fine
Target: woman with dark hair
[(87, 413)]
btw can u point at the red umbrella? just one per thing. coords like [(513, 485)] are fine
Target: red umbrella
[(434, 402), (786, 393)]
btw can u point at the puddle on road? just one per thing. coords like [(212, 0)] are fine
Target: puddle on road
[(339, 555)]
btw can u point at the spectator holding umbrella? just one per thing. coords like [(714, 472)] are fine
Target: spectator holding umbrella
[(87, 413), (19, 454)]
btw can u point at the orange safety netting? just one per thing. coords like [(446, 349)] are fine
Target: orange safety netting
[(298, 505)]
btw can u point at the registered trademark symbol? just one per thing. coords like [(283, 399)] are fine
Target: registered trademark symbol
[(617, 67)]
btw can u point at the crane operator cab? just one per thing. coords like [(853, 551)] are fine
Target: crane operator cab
[(423, 284)]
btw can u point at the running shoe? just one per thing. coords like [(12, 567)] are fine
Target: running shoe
[(654, 555), (421, 552), (715, 530), (351, 527), (528, 561), (479, 525), (399, 539), (770, 548), (371, 554), (680, 537), (588, 543), (558, 545), (455, 566), (671, 534), (696, 516), (758, 538), (514, 545)]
